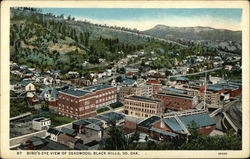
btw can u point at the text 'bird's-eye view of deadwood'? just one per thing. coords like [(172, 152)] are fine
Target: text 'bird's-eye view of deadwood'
[(125, 78)]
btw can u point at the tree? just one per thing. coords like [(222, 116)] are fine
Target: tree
[(115, 141), (44, 106)]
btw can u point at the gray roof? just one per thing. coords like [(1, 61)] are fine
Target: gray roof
[(176, 95), (55, 146), (182, 79), (52, 91), (172, 124), (93, 127), (67, 131), (143, 98), (163, 132), (148, 123), (80, 146), (128, 82), (175, 90), (111, 116), (88, 121), (73, 92), (53, 131), (202, 120), (97, 87), (25, 82)]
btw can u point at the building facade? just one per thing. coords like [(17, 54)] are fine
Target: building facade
[(105, 94), (143, 90), (176, 101), (142, 107), (41, 123), (76, 104)]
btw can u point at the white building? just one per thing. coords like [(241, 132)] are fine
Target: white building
[(41, 123), (53, 134)]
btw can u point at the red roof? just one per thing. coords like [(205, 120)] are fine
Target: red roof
[(130, 73), (153, 82)]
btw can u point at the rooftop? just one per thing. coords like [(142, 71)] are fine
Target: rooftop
[(111, 116), (163, 132), (201, 120), (182, 79), (40, 119), (153, 82), (175, 90), (74, 92), (143, 98), (67, 131), (148, 123), (176, 95), (97, 87), (53, 131), (93, 127)]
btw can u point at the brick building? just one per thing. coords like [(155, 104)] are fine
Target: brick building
[(177, 101), (142, 107), (105, 94), (170, 127), (76, 103), (142, 90), (156, 84)]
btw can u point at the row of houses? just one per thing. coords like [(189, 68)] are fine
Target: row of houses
[(85, 134)]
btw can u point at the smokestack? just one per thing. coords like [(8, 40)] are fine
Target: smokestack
[(162, 124)]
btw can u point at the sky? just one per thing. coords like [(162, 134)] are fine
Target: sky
[(147, 18)]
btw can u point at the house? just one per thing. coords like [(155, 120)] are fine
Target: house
[(35, 143), (50, 94), (113, 83), (68, 140), (41, 123), (68, 131), (27, 85), (53, 134), (79, 125), (111, 117), (48, 81), (93, 130), (228, 67), (32, 98), (215, 80), (52, 145), (131, 69)]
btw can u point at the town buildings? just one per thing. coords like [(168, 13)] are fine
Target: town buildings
[(142, 107)]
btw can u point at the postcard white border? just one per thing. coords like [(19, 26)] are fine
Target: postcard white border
[(5, 22)]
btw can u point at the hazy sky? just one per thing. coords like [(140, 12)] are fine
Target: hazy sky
[(146, 18)]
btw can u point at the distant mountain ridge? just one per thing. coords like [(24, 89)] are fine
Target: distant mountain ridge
[(223, 39), (193, 33)]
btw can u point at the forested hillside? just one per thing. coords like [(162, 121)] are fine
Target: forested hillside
[(56, 43), (46, 41)]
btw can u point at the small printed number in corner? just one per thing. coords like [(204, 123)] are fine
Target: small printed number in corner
[(222, 153)]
